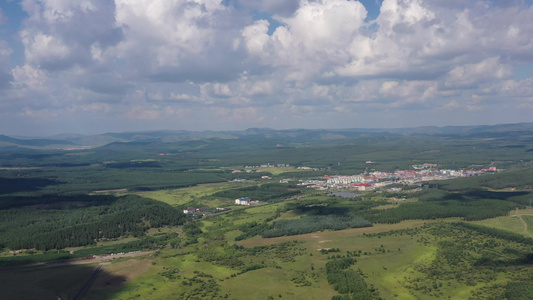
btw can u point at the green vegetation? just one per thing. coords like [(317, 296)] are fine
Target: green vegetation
[(309, 224), (469, 210), (264, 192), (520, 290), (515, 178), (462, 262), (349, 283), (72, 221), (144, 243), (502, 234), (434, 203), (466, 238)]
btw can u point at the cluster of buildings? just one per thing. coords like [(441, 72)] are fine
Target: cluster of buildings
[(309, 168), (247, 171), (361, 182), (245, 201), (205, 210), (377, 179), (268, 166)]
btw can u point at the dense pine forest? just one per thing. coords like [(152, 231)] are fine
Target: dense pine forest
[(72, 221)]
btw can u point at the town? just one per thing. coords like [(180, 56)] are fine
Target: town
[(378, 179)]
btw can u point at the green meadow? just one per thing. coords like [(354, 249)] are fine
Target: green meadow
[(519, 221), (185, 195)]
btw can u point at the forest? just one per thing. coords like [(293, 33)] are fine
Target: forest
[(60, 222)]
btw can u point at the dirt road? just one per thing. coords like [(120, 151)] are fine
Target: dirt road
[(96, 259)]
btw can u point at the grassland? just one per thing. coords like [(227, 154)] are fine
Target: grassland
[(529, 221), (199, 192), (390, 263), (321, 237), (518, 221), (394, 265)]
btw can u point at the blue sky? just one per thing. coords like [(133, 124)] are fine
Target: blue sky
[(93, 66)]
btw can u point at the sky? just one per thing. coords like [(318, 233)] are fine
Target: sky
[(95, 66)]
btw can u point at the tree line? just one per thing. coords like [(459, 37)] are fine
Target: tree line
[(308, 224), (468, 210)]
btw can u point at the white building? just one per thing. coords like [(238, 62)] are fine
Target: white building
[(243, 201)]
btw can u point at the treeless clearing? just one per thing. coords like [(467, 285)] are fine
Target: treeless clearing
[(257, 241), (96, 259), (121, 271), (514, 222)]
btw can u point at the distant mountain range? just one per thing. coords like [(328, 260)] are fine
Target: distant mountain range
[(73, 141)]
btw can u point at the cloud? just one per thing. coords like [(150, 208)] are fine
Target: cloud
[(44, 50), (3, 17), (522, 89), (469, 75), (451, 105), (309, 41), (5, 53), (408, 92), (29, 78), (58, 35), (178, 40), (199, 64)]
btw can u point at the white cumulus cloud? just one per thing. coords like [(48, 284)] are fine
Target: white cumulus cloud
[(200, 64)]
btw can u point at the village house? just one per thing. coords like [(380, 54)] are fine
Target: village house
[(243, 201), (189, 211)]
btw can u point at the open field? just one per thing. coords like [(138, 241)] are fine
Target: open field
[(164, 277), (391, 264), (185, 195), (529, 222), (281, 170), (257, 213), (518, 221), (328, 235), (511, 223), (386, 271)]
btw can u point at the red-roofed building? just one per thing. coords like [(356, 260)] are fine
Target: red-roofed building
[(189, 211), (361, 186)]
